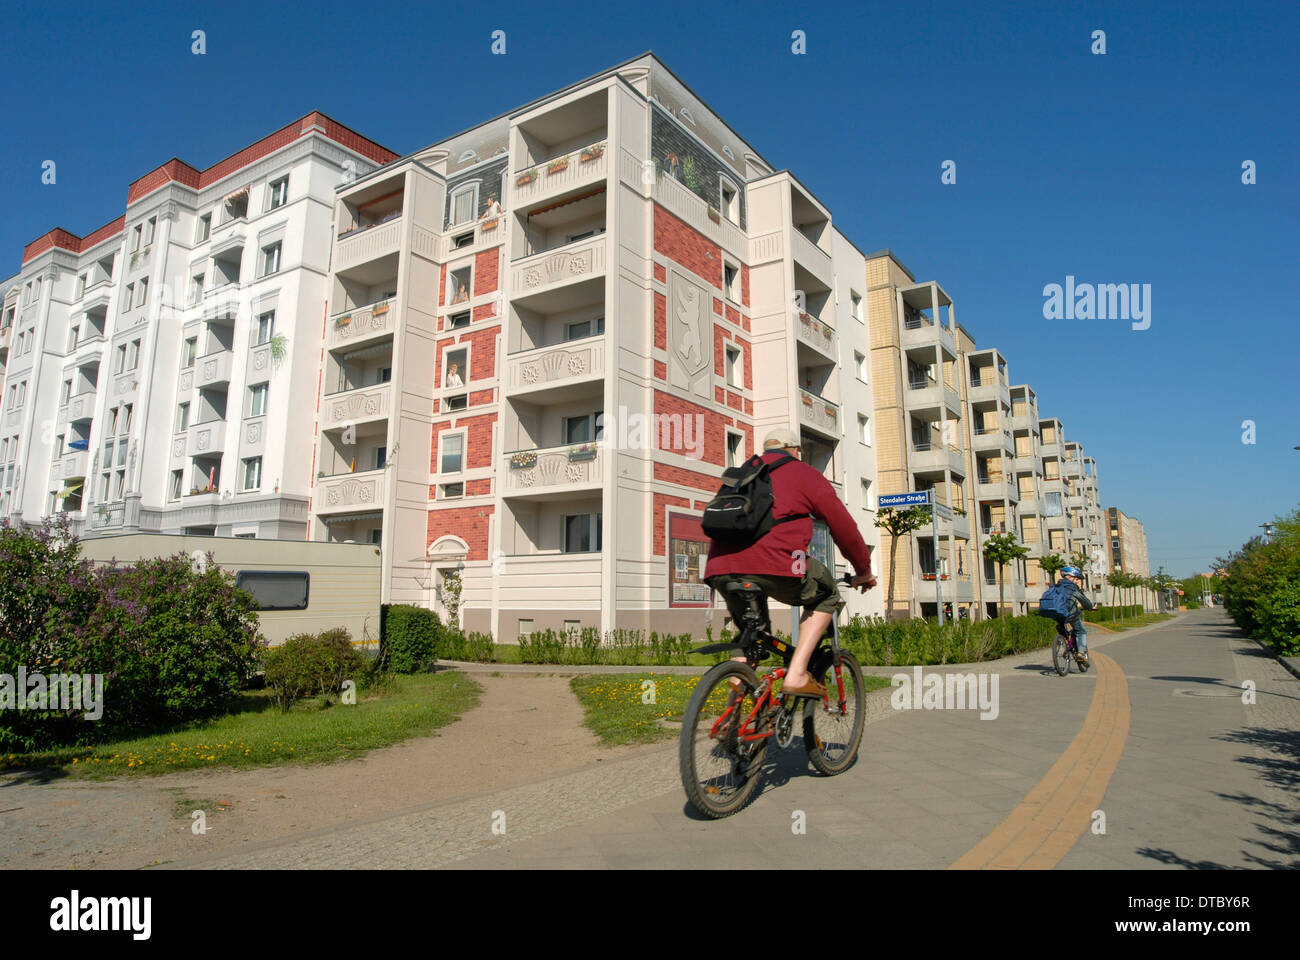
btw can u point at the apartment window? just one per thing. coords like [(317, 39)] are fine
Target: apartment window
[(451, 450), (459, 320), (855, 299), (257, 399), (864, 430), (583, 429), (377, 536), (451, 491), (174, 491), (271, 259), (196, 288), (119, 483), (126, 420), (381, 457), (459, 284), (582, 533), (182, 418), (189, 352), (133, 358), (112, 422), (731, 281), (860, 365), (81, 286), (265, 327), (65, 392), (204, 229), (383, 375), (730, 201), (735, 449), (463, 240), (463, 203), (584, 328), (136, 233), (525, 628), (279, 193), (31, 339), (253, 473), (72, 339), (458, 402), (129, 300), (149, 227), (144, 291), (733, 366), (583, 235), (457, 368), (868, 498), (119, 363)]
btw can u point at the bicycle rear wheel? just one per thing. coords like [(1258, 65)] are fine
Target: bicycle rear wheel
[(832, 733), (720, 771), (1061, 654)]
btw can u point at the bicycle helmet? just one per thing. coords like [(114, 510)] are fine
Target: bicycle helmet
[(1071, 572)]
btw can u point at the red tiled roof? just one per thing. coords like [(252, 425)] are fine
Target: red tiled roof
[(175, 170)]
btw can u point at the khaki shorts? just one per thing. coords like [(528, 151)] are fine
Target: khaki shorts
[(815, 590)]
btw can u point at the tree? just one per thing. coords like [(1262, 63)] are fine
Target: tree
[(1051, 565), (1003, 548), (899, 522)]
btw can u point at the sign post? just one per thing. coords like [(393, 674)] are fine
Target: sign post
[(924, 498)]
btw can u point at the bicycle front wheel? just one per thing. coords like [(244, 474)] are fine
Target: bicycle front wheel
[(719, 767), (1061, 654), (832, 728)]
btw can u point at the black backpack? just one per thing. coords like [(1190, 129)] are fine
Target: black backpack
[(741, 512)]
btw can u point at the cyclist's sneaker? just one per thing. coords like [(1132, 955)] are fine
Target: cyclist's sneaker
[(811, 689), (1082, 660)]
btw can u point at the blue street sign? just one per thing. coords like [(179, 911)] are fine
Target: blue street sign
[(905, 499)]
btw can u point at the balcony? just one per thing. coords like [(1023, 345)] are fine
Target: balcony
[(995, 487), (993, 438), (355, 407), (1071, 468), (89, 349), (553, 177), (361, 325), (553, 472), (81, 407), (923, 332), (368, 243), (936, 458), (925, 395), (214, 369), (819, 336), (1024, 463), (207, 439), (989, 390), (6, 334), (547, 373), (74, 464), (811, 257), (350, 493), (552, 269), (221, 301), (819, 414)]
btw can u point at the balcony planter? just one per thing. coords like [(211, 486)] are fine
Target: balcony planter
[(522, 461), (558, 165), (379, 310), (489, 225), (593, 152), (807, 401), (830, 411), (583, 451), (343, 321), (714, 215), (526, 178)]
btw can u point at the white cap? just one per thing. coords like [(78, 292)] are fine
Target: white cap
[(780, 438)]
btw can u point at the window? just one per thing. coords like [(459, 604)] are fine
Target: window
[(457, 368), (525, 628), (119, 363), (734, 366), (855, 299), (126, 419), (860, 364), (462, 204), (450, 453), (182, 418), (265, 327), (583, 429), (459, 284), (257, 399), (868, 499), (174, 491), (129, 300), (196, 288), (144, 291), (150, 226), (112, 423), (189, 352), (276, 589), (459, 320), (279, 193), (271, 259), (204, 229), (253, 473), (381, 457), (582, 533), (72, 339), (119, 483), (730, 202), (133, 358), (584, 328), (458, 402), (730, 282), (65, 392), (450, 491), (383, 375), (735, 449), (81, 286), (463, 240), (377, 536), (864, 430), (136, 233)]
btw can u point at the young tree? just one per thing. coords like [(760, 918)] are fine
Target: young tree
[(899, 522), (1002, 548), (1051, 565)]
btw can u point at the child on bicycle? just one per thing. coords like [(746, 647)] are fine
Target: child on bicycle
[(1065, 602)]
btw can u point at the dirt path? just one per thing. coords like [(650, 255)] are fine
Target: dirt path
[(526, 728)]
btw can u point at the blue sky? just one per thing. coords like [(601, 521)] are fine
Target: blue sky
[(1122, 168)]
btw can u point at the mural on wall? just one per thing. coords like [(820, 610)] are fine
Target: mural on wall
[(690, 345), (688, 555)]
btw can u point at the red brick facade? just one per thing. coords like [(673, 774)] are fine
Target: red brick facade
[(478, 440), (486, 265), (468, 523), (661, 502), (661, 321), (684, 245)]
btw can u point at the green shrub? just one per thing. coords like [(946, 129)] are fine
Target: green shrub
[(411, 637), (311, 663), (474, 648), (915, 641)]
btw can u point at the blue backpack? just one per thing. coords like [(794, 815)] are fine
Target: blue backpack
[(1057, 602)]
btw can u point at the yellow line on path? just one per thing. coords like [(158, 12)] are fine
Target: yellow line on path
[(1039, 832)]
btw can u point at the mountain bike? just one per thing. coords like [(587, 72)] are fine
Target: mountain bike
[(1064, 650), (734, 713)]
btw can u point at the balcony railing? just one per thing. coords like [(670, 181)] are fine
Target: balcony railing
[(556, 175), (547, 469), (820, 336), (360, 246), (361, 324), (557, 365), (572, 262), (350, 492), (356, 406), (819, 413)]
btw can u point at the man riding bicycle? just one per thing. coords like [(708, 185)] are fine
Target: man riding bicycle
[(1065, 602), (778, 561)]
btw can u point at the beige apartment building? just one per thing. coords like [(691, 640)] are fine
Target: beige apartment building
[(1128, 543)]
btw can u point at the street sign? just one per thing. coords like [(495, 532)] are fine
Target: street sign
[(920, 499)]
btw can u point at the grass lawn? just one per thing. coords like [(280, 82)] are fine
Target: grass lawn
[(615, 713), (258, 734), (1128, 623)]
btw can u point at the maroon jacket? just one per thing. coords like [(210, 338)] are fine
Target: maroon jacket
[(796, 488)]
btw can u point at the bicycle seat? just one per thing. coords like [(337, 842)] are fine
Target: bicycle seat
[(745, 589)]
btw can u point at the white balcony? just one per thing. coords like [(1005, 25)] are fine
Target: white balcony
[(989, 389), (556, 268), (207, 439), (350, 493), (551, 178), (81, 408), (819, 336), (553, 472), (993, 438), (819, 414), (361, 325), (928, 396), (811, 257), (214, 369), (995, 488), (355, 407), (368, 243), (74, 464), (555, 369)]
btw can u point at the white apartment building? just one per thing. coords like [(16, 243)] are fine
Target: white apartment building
[(162, 371), (549, 334)]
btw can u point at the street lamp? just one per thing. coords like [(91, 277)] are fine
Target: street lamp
[(1268, 531)]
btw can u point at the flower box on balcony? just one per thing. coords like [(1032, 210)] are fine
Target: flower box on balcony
[(343, 321), (593, 152), (559, 165), (830, 411), (521, 461), (807, 401), (526, 178), (489, 225), (715, 215), (379, 310), (583, 451)]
